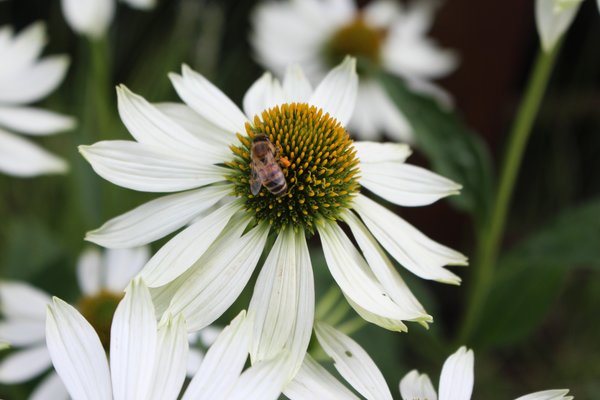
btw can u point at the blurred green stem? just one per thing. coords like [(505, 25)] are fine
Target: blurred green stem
[(492, 233)]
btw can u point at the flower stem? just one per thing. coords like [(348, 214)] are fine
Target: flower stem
[(492, 233)]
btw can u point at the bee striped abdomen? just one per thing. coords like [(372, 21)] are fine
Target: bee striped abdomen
[(265, 167)]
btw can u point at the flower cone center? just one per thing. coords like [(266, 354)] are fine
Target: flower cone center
[(99, 310), (317, 158), (356, 39)]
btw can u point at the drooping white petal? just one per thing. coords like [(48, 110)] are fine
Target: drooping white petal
[(146, 168), (122, 265), (557, 394), (336, 94), (207, 100), (411, 248), (90, 271), (357, 282), (456, 379), (223, 362), (76, 353), (219, 276), (296, 88), (552, 22), (183, 250), (171, 360), (51, 387), (22, 301), (314, 382), (417, 386), (23, 365), (22, 331), (20, 157), (406, 185), (89, 17), (157, 218), (353, 362), (148, 125), (35, 81), (263, 381), (377, 153), (283, 302), (141, 4), (133, 340), (22, 50), (34, 121), (265, 93)]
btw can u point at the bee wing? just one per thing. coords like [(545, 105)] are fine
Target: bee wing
[(255, 182)]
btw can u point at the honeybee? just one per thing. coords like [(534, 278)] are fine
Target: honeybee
[(265, 167)]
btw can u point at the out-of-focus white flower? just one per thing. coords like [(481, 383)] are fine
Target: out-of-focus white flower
[(92, 17), (354, 364), (553, 18), (199, 342), (317, 34), (203, 152), (148, 359), (102, 278), (25, 78)]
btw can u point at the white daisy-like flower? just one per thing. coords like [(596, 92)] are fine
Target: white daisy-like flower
[(26, 78), (93, 17), (385, 34), (353, 363), (102, 278), (202, 150), (148, 359)]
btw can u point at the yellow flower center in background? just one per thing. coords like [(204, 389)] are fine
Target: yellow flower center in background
[(99, 310), (356, 39), (317, 159)]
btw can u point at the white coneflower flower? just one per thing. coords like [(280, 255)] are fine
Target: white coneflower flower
[(92, 17), (354, 364), (148, 359), (24, 78), (203, 150), (102, 278), (318, 34)]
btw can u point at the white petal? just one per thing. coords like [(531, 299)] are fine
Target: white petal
[(314, 382), (50, 388), (197, 124), (265, 93), (381, 13), (146, 168), (183, 250), (34, 82), (133, 340), (219, 276), (283, 302), (208, 101), (263, 381), (22, 332), (170, 365), (551, 22), (406, 185), (296, 87), (76, 353), (195, 358), (24, 365), (417, 386), (122, 265), (353, 362), (411, 248), (385, 114), (34, 121), (336, 94), (23, 301), (376, 153), (357, 282), (20, 157), (89, 17), (89, 271), (157, 218), (223, 362), (557, 394), (456, 379), (148, 125), (141, 4), (20, 51)]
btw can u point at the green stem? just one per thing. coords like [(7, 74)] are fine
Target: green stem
[(491, 235)]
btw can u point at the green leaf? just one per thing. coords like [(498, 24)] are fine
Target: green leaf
[(453, 150)]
